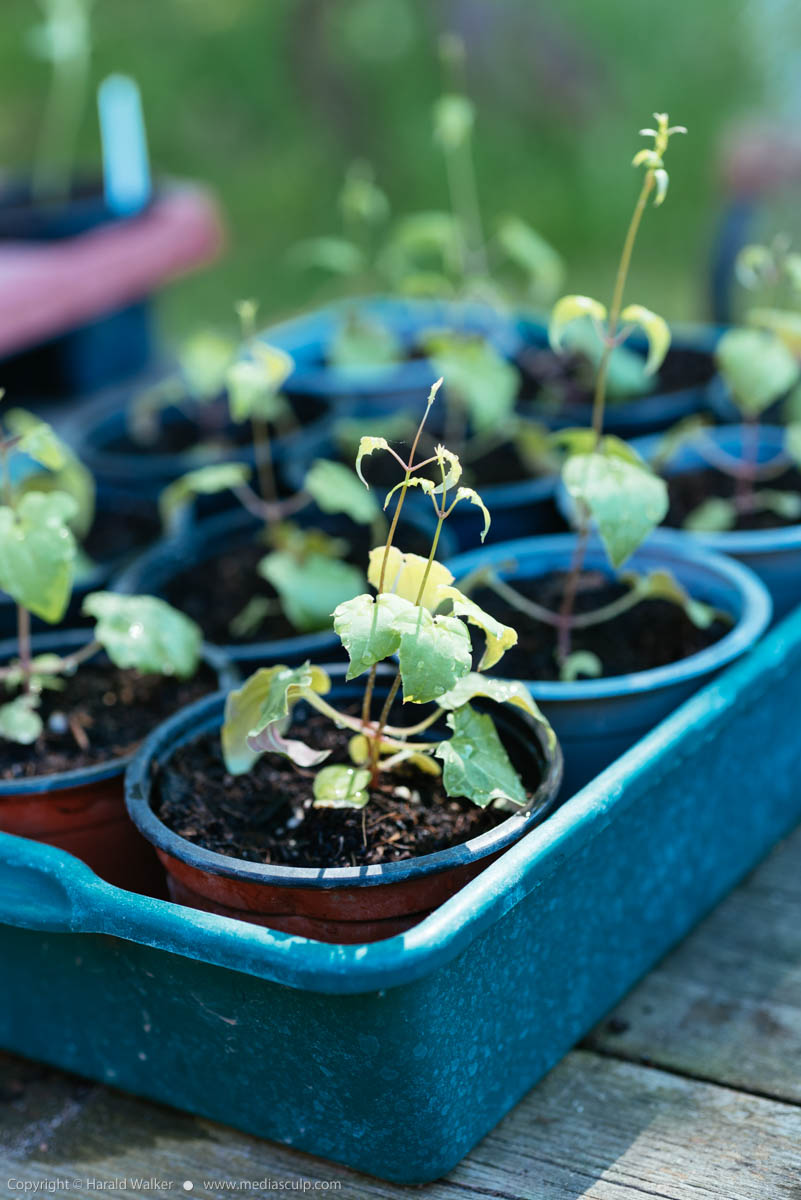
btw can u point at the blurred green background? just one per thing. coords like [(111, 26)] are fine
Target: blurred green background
[(269, 100)]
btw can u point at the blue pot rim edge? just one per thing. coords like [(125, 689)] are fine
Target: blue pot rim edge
[(33, 785), (753, 621), (204, 715), (750, 542)]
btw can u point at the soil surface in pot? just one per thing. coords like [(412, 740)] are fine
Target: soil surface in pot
[(652, 634), (558, 383), (201, 429), (103, 713), (214, 592), (688, 489), (116, 534), (266, 816)]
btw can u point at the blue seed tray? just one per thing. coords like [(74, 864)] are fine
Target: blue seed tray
[(397, 1057)]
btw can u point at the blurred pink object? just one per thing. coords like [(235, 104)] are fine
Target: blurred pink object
[(48, 288)]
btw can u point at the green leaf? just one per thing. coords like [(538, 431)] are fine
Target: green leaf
[(626, 373), (529, 251), (19, 720), (499, 637), (311, 587), (792, 441), (434, 653), (335, 489), (663, 585), (262, 707), (477, 376), (454, 117), (204, 481), (145, 633), (405, 573), (583, 441), (502, 691), (786, 325), (37, 439), (363, 344), (333, 254), (254, 383), (37, 553), (361, 201), (580, 662), (712, 516), (782, 504), (569, 309), (204, 358), (626, 501), (656, 330), (341, 787), (365, 625), (466, 493), (368, 445), (475, 763), (758, 368)]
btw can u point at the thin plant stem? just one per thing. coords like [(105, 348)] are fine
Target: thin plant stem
[(262, 446), (598, 411), (745, 478), (578, 621), (24, 645)]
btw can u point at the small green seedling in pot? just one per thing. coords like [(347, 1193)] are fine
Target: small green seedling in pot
[(418, 620), (64, 38), (609, 484), (304, 565), (38, 560), (761, 365)]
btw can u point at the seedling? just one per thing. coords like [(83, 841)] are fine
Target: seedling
[(304, 565), (418, 615), (608, 482), (38, 558), (64, 39), (761, 364)]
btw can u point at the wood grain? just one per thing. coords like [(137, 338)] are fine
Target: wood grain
[(595, 1127), (726, 1005)]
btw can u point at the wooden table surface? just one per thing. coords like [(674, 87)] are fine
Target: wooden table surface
[(690, 1090)]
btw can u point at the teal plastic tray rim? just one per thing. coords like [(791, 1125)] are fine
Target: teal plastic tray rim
[(83, 903)]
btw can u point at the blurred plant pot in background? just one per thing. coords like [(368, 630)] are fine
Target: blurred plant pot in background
[(83, 810), (554, 393), (339, 904), (596, 720), (774, 554), (216, 560)]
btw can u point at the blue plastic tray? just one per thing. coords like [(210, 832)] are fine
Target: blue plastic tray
[(397, 1057)]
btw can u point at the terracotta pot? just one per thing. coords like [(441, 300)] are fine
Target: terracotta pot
[(332, 904), (83, 811)]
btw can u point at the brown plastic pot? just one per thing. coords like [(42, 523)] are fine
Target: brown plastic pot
[(331, 904), (83, 811)]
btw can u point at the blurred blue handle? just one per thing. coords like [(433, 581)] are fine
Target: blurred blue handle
[(126, 167)]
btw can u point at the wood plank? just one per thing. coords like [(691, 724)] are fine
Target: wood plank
[(595, 1128), (726, 1004)]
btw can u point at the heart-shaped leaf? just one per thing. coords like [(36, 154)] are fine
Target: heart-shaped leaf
[(311, 587), (265, 699), (145, 633), (499, 637), (19, 720), (625, 500), (335, 489), (404, 575), (475, 762), (366, 628), (341, 787), (758, 368), (37, 553)]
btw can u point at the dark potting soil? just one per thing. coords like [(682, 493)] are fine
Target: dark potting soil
[(267, 816), (108, 712), (213, 592), (207, 427), (652, 634), (689, 489), (115, 534), (559, 381)]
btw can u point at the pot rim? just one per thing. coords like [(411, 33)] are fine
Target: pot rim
[(664, 548), (70, 639), (734, 541), (204, 715)]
